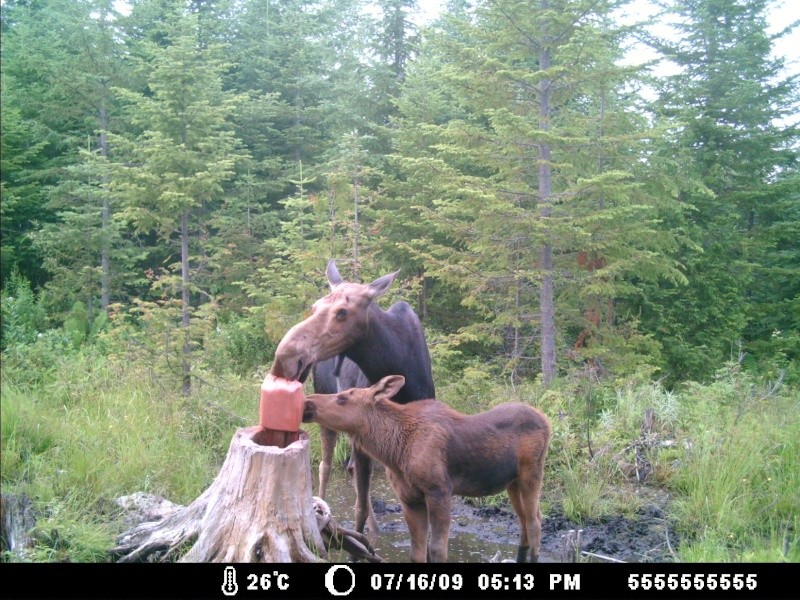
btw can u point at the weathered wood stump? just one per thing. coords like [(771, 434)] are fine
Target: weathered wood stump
[(258, 509), (571, 546), (16, 523)]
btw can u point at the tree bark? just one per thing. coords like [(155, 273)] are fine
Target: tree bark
[(105, 246), (258, 509), (547, 294), (186, 366), (102, 117), (356, 227)]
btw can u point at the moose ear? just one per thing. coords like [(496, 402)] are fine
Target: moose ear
[(333, 274), (388, 387), (378, 287)]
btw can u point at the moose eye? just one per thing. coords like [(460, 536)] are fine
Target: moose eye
[(341, 313), (341, 399)]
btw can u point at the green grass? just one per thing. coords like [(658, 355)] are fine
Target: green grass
[(739, 486), (589, 492), (75, 444)]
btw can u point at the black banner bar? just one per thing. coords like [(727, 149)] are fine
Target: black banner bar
[(398, 580)]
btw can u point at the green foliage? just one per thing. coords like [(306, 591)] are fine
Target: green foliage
[(186, 149), (726, 138), (738, 481), (103, 429), (110, 426), (62, 58), (588, 493), (246, 345), (38, 362), (80, 328), (23, 317), (25, 146), (475, 177), (468, 389), (773, 329), (625, 411)]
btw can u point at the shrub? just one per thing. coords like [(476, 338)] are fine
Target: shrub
[(23, 316)]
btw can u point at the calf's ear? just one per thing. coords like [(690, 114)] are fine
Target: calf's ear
[(388, 387)]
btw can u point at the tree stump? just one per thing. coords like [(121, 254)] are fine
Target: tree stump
[(571, 546), (16, 523), (258, 509)]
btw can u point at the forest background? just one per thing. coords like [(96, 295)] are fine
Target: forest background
[(590, 235)]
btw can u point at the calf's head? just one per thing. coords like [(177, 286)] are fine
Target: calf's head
[(349, 411), (337, 322)]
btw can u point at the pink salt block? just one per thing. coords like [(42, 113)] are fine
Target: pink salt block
[(281, 404)]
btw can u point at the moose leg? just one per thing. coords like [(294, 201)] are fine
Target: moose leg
[(362, 466), (328, 439), (416, 516), (439, 514), (530, 488), (516, 501)]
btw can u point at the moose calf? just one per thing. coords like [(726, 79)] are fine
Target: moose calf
[(432, 452)]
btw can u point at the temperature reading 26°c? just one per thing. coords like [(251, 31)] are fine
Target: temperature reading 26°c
[(267, 581)]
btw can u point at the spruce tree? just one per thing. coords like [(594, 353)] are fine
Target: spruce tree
[(534, 169), (172, 174), (67, 55), (729, 138)]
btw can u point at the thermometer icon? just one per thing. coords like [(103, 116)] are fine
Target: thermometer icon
[(229, 585)]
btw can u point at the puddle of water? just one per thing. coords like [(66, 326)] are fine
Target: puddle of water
[(472, 538)]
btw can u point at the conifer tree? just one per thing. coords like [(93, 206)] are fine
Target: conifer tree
[(27, 151), (536, 169), (67, 55), (727, 107), (174, 171)]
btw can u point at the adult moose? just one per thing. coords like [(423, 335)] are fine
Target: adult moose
[(349, 322), (432, 452)]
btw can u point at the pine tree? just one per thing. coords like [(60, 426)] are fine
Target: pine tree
[(26, 161), (535, 171), (725, 107), (175, 169), (71, 54), (394, 45)]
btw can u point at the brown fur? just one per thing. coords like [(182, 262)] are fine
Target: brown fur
[(432, 452), (348, 322)]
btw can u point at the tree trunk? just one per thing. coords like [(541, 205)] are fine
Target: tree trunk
[(547, 294), (17, 520), (102, 118), (356, 228), (423, 295), (186, 366), (258, 509), (105, 246), (515, 350)]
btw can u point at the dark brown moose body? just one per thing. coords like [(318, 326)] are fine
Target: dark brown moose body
[(432, 452)]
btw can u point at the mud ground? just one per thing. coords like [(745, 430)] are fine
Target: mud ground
[(481, 533)]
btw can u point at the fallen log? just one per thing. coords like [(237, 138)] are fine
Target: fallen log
[(258, 509)]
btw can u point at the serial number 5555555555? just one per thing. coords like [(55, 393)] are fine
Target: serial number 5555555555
[(687, 581)]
